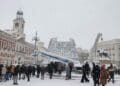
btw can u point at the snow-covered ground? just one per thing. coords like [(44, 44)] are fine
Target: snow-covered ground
[(57, 81)]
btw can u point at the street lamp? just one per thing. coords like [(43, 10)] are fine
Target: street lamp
[(36, 39)]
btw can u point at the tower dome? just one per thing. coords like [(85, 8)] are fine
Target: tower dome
[(19, 12)]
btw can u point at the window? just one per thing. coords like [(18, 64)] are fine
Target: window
[(113, 54), (113, 48), (16, 24), (22, 25), (0, 44)]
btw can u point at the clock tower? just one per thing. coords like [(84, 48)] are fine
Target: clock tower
[(18, 25)]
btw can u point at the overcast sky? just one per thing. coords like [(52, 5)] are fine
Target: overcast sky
[(64, 19)]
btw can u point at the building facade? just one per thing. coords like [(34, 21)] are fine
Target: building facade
[(112, 48), (24, 52), (13, 43), (82, 54), (63, 48), (7, 48), (41, 58)]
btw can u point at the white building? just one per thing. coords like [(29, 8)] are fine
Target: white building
[(41, 58), (112, 48), (83, 54), (63, 48)]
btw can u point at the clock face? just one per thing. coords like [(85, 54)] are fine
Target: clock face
[(16, 24)]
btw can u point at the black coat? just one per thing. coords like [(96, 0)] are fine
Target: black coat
[(43, 69), (96, 72), (27, 70), (23, 69), (50, 68), (87, 67), (38, 69), (16, 70)]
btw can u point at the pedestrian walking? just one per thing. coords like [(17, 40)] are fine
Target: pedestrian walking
[(96, 74), (38, 71), (67, 72), (84, 74), (104, 75), (27, 72), (15, 75), (71, 68), (3, 72), (43, 69), (50, 70), (111, 73)]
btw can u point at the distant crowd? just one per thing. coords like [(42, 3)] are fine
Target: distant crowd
[(18, 72), (100, 74)]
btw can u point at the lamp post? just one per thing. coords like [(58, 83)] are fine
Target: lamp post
[(36, 39)]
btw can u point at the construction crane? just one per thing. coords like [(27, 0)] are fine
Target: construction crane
[(94, 48)]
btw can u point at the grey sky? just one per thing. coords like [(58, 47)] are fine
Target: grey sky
[(77, 19)]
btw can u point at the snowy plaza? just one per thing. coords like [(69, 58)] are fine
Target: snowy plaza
[(58, 81), (59, 42)]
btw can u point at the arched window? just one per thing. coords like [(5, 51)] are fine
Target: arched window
[(16, 24), (22, 25)]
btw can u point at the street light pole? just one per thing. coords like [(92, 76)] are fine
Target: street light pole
[(36, 39)]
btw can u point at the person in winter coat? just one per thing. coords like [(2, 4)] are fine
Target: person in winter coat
[(50, 70), (87, 68), (27, 72), (19, 71), (12, 68), (111, 73), (4, 70), (55, 67), (8, 73), (1, 72), (43, 69), (33, 70), (84, 74), (59, 68), (23, 71), (30, 67), (38, 71), (104, 75), (71, 68), (15, 75), (67, 72), (96, 74)]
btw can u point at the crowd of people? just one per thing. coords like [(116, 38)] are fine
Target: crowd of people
[(100, 74), (17, 72)]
